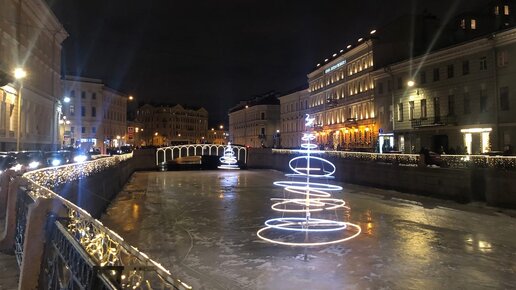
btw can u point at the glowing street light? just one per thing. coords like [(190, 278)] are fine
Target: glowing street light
[(131, 98), (411, 83), (66, 99), (221, 127), (19, 74)]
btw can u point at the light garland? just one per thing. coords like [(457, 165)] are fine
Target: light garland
[(103, 245), (315, 199), (229, 160)]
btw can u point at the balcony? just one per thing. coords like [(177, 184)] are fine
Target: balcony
[(434, 121)]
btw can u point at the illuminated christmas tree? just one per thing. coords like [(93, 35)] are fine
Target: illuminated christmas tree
[(229, 160), (309, 213)]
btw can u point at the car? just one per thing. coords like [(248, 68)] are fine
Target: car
[(28, 160), (6, 162), (56, 158), (120, 150)]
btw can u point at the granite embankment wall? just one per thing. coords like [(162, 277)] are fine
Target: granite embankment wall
[(94, 193), (495, 186)]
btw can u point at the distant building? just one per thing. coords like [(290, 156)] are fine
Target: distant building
[(293, 113), (97, 114), (216, 136), (32, 37), (172, 124), (256, 123)]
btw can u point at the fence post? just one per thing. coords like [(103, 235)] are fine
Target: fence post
[(34, 243), (7, 240)]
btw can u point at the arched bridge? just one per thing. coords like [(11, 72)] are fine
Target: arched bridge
[(166, 154)]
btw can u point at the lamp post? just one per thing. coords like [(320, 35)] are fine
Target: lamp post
[(19, 74)]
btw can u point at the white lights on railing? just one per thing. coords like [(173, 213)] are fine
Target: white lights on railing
[(349, 46), (229, 160), (306, 197)]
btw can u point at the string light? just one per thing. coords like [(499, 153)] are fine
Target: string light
[(229, 160), (102, 245), (315, 198)]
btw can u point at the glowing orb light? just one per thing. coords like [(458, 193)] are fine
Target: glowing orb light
[(229, 160), (305, 197)]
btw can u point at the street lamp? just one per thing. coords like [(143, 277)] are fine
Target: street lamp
[(411, 83), (19, 74)]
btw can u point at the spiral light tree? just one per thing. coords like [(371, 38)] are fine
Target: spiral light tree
[(309, 213), (228, 160)]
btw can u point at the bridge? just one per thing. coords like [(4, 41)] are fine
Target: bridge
[(167, 154)]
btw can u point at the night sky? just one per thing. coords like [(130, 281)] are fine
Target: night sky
[(215, 53)]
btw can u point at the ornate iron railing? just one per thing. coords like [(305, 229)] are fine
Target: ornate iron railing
[(23, 202), (82, 253)]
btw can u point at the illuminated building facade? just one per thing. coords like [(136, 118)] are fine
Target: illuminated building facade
[(342, 99), (256, 123), (459, 97), (172, 124), (97, 114), (31, 39), (293, 109)]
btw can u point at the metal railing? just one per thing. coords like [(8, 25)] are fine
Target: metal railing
[(82, 253), (433, 121), (451, 161)]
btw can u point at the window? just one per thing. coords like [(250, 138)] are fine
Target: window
[(483, 101), (400, 83), (450, 71), (83, 95), (93, 96), (473, 24), (451, 105), (389, 86), (503, 58), (262, 131), (505, 9), (72, 110), (467, 104), (262, 115), (72, 94), (504, 98), (465, 67), (422, 77), (400, 112), (436, 74), (497, 10), (380, 88), (411, 110), (83, 130), (463, 23), (72, 129), (94, 130), (483, 63), (83, 111), (93, 111), (423, 109)]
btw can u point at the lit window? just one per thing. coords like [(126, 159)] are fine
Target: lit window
[(463, 23), (506, 9), (497, 10), (473, 24)]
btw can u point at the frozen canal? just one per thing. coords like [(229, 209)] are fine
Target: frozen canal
[(202, 226)]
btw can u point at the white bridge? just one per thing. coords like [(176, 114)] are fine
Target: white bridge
[(166, 154)]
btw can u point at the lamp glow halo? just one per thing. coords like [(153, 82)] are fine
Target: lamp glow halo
[(311, 198)]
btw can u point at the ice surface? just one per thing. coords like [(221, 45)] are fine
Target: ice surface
[(202, 226)]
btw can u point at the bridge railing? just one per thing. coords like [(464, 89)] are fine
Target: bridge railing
[(446, 160), (166, 154), (80, 252)]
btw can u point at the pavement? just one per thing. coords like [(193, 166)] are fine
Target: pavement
[(9, 273), (202, 226)]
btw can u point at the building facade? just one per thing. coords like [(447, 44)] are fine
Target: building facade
[(172, 124), (256, 123), (342, 99), (293, 113), (460, 99), (93, 115), (31, 40)]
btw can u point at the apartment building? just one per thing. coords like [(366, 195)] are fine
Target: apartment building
[(293, 113)]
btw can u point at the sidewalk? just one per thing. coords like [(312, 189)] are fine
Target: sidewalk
[(9, 272)]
